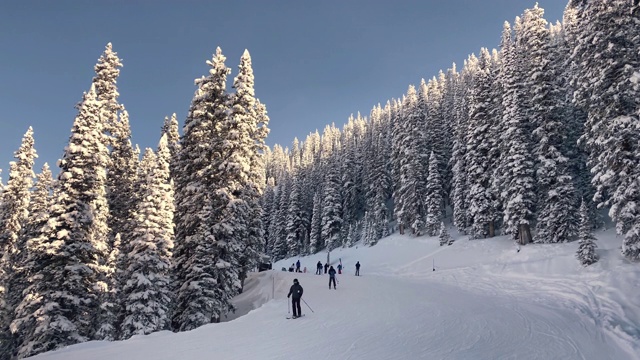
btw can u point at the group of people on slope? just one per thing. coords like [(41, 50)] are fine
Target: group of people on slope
[(326, 266), (297, 265), (295, 292)]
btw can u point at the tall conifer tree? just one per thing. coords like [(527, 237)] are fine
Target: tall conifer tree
[(14, 218)]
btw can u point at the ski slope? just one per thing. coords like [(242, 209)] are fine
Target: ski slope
[(484, 300)]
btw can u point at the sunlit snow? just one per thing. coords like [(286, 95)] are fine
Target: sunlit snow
[(485, 300)]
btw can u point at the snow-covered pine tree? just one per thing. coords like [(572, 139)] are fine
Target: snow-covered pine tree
[(459, 147), (65, 283), (14, 218), (448, 108), (278, 233), (351, 171), (607, 53), (586, 253), (445, 238), (107, 72), (556, 220), (272, 230), (316, 240), (410, 208), (170, 129), (258, 180), (576, 114), (36, 316), (122, 199), (39, 205), (517, 166), (375, 171), (426, 114), (477, 158), (353, 236), (295, 223), (194, 272), (332, 206), (40, 202), (268, 206), (435, 132), (397, 133), (434, 197), (381, 191), (240, 182), (369, 153), (146, 293)]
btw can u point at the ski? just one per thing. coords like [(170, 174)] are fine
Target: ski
[(291, 317)]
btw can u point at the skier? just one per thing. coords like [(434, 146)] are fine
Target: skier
[(295, 290), (291, 267), (332, 277), (358, 268), (326, 266), (340, 268), (319, 268), (298, 266)]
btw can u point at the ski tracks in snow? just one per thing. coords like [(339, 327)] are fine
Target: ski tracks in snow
[(603, 310)]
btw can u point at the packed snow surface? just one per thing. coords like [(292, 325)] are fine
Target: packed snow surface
[(485, 300)]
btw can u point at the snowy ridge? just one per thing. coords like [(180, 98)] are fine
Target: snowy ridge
[(485, 300)]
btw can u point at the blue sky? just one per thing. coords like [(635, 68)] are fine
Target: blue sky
[(315, 62)]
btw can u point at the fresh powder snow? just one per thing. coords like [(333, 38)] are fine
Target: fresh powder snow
[(484, 300)]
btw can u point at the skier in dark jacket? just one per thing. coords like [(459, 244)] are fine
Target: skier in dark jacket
[(319, 268), (295, 292), (298, 266), (358, 268), (332, 277), (326, 266)]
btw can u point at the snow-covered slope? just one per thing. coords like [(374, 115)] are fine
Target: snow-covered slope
[(484, 300)]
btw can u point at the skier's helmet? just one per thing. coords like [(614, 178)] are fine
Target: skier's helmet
[(295, 281)]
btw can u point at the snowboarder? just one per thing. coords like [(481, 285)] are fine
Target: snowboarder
[(298, 266), (358, 268), (339, 268), (332, 277), (295, 292), (319, 268), (326, 267)]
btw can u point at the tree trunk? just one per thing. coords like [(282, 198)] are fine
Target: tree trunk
[(401, 229), (524, 234), (492, 229)]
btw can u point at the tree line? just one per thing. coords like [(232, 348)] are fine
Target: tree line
[(516, 142)]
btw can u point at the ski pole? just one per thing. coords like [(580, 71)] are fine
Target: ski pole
[(307, 305), (288, 306)]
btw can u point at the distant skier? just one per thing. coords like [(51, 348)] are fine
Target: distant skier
[(358, 268), (339, 268), (319, 268), (332, 277), (326, 267), (298, 266), (291, 267), (296, 290)]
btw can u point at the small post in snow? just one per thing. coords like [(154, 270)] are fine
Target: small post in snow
[(434, 264)]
